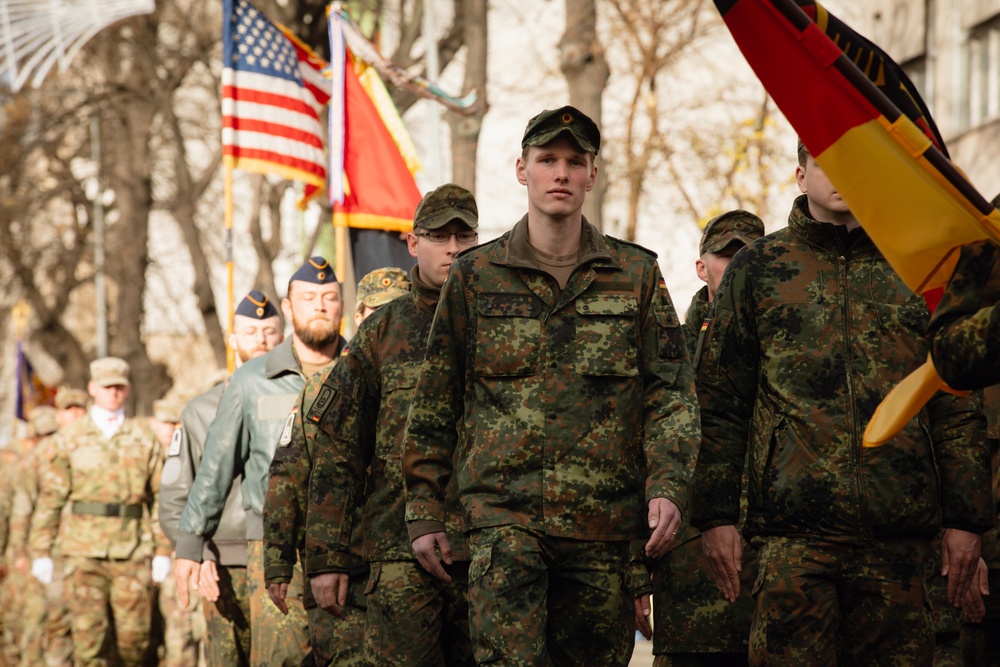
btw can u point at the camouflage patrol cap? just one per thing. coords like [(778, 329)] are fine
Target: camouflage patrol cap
[(315, 270), (444, 204), (549, 124), (167, 410), (738, 225), (109, 371), (382, 286), (69, 397), (256, 305), (43, 420)]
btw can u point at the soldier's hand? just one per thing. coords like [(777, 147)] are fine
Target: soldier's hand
[(959, 560), (330, 591), (208, 581), (185, 573), (278, 593), (724, 550), (973, 606), (664, 520), (642, 612), (426, 549)]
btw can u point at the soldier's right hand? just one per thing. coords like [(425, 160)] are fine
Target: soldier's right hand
[(42, 569), (330, 591), (185, 572), (209, 581), (723, 548), (426, 548)]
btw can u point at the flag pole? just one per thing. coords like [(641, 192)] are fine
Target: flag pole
[(228, 197)]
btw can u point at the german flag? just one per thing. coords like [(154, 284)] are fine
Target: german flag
[(865, 124)]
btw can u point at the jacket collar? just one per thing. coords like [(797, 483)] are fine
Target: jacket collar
[(823, 235), (513, 250), (282, 359), (422, 293)]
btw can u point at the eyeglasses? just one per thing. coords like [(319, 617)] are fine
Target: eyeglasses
[(440, 238)]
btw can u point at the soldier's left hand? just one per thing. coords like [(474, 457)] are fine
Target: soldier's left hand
[(278, 592), (959, 560), (642, 612), (664, 519), (973, 606)]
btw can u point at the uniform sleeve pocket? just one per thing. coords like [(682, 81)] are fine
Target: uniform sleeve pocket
[(669, 337)]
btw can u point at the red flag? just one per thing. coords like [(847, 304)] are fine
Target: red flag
[(273, 91), (380, 192)]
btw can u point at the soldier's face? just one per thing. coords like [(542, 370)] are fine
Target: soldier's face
[(435, 259), (558, 176), (825, 203), (253, 338), (70, 415), (315, 312), (109, 398), (710, 268), (164, 431)]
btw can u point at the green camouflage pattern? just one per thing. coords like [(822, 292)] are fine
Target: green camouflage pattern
[(276, 640), (286, 501), (966, 324), (828, 603), (540, 600), (58, 628), (183, 627), (87, 467), (108, 596), (415, 620), (810, 330), (227, 620), (338, 641), (690, 616), (373, 383), (578, 404)]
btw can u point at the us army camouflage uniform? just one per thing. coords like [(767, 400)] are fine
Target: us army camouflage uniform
[(578, 407), (692, 623), (810, 330), (966, 324), (413, 619), (45, 622), (335, 641), (22, 594), (107, 537)]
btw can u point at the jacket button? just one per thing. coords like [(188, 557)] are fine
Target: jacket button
[(552, 416)]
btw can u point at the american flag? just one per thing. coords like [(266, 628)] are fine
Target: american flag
[(273, 91)]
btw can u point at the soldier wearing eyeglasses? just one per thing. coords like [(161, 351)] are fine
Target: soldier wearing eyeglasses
[(412, 618)]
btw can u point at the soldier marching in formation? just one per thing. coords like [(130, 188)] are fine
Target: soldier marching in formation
[(511, 461)]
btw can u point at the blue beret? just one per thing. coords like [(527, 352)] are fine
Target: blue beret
[(316, 270), (257, 306)]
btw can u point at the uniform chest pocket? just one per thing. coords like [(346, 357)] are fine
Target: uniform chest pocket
[(508, 335), (607, 335)]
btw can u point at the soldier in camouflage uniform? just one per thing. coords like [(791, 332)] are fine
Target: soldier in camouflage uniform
[(692, 624), (559, 351), (414, 619), (106, 470), (336, 634), (966, 324), (221, 581), (810, 329), (24, 596), (242, 440)]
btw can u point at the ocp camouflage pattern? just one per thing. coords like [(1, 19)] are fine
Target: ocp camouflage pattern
[(578, 404), (810, 330)]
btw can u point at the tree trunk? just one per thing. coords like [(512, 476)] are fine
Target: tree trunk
[(465, 129), (581, 58), (130, 124)]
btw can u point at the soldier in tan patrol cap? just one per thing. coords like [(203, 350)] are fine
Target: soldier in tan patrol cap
[(378, 288), (106, 469)]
